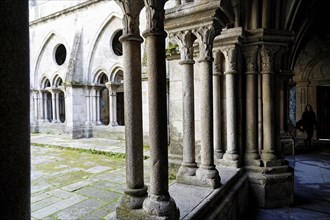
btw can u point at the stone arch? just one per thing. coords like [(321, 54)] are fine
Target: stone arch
[(116, 74), (307, 74), (45, 82), (98, 76), (42, 49), (57, 81), (103, 26)]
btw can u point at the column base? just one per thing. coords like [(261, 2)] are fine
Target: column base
[(161, 207), (187, 169), (133, 198), (218, 155), (273, 187), (229, 160), (228, 163), (270, 159), (252, 159), (208, 176)]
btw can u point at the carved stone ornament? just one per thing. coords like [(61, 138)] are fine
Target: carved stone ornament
[(155, 17), (250, 55), (268, 55), (185, 40), (131, 10), (205, 36), (230, 54)]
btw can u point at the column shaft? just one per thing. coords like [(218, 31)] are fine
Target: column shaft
[(188, 166), (45, 106), (41, 97), (113, 108), (268, 116), (217, 115), (157, 115), (98, 110), (251, 116), (54, 106), (231, 152), (57, 95)]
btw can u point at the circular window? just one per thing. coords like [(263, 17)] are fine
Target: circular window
[(117, 47), (60, 54)]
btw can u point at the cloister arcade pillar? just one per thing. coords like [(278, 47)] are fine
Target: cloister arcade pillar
[(231, 157), (217, 108), (188, 167), (135, 191), (159, 202), (268, 54), (251, 154), (207, 172)]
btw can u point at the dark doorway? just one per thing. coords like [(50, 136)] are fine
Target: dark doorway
[(323, 112), (120, 108)]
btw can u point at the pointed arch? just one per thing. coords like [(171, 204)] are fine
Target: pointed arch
[(41, 51), (95, 42), (114, 72)]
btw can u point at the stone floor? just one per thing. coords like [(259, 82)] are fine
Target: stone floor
[(79, 184)]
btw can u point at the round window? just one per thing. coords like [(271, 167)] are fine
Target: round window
[(60, 54), (117, 47)]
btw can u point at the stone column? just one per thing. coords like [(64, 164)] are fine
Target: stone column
[(41, 105), (88, 123), (206, 172), (53, 106), (267, 71), (159, 202), (98, 115), (135, 191), (112, 87), (251, 155), (35, 105), (188, 167), (93, 104), (57, 97), (218, 152), (231, 157), (45, 106)]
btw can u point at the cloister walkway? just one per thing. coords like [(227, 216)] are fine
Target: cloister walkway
[(80, 184)]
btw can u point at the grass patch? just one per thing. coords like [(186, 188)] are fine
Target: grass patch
[(91, 151)]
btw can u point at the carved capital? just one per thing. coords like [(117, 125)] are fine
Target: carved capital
[(250, 55), (131, 10), (231, 54), (217, 63), (205, 36), (185, 40), (155, 17), (268, 58)]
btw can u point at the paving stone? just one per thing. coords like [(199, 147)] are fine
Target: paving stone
[(78, 210), (97, 169), (43, 203), (39, 196), (78, 185), (101, 213), (98, 194), (49, 210), (61, 193), (106, 185)]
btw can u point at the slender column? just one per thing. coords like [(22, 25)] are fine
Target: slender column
[(251, 105), (159, 201), (53, 106), (41, 98), (35, 102), (88, 118), (206, 171), (188, 167), (94, 106), (98, 110), (231, 105), (112, 87), (267, 59), (45, 106), (135, 191), (57, 96), (218, 152)]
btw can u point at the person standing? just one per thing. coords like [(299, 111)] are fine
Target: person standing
[(308, 122)]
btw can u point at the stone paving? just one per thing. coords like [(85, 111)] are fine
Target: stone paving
[(73, 184)]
